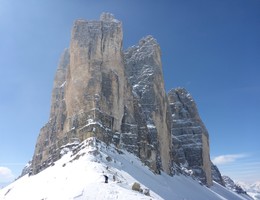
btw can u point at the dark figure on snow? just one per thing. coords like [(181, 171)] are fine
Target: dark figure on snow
[(106, 178), (114, 178)]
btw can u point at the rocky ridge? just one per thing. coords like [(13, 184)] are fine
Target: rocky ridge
[(231, 185), (118, 97)]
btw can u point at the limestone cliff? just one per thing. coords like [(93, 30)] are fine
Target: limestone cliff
[(191, 140), (119, 97), (91, 97), (144, 71), (96, 77)]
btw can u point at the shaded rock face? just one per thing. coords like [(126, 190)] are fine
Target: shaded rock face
[(190, 137), (27, 169), (216, 175), (144, 71), (231, 185)]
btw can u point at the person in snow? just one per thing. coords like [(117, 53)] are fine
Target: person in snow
[(106, 178), (114, 177)]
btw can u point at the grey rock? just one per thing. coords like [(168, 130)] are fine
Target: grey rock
[(216, 175), (231, 185), (119, 97), (92, 98), (27, 169), (190, 136), (144, 71)]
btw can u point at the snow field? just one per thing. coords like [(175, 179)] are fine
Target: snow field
[(80, 176)]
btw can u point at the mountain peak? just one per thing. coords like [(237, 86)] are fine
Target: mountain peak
[(107, 17), (119, 98)]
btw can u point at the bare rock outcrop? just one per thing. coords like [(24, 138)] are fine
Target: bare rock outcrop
[(118, 96), (144, 71), (92, 97), (191, 140), (231, 185), (216, 175), (95, 76)]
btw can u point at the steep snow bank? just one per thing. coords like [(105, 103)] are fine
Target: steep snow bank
[(79, 174)]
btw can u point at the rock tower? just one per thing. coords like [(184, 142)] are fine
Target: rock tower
[(190, 136), (118, 96), (92, 96)]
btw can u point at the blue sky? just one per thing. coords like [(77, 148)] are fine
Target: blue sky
[(210, 47)]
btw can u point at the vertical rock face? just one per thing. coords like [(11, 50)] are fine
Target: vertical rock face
[(144, 71), (119, 97), (190, 135), (58, 106), (99, 100), (96, 76), (91, 96)]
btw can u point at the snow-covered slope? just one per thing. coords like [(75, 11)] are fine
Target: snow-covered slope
[(79, 174), (252, 189), (228, 194)]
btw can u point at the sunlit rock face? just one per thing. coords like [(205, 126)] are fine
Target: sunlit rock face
[(92, 97), (118, 96), (96, 73), (190, 136)]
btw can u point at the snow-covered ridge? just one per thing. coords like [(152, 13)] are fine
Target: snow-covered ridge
[(252, 189), (79, 174)]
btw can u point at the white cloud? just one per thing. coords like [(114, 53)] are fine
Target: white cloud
[(226, 159), (6, 175)]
